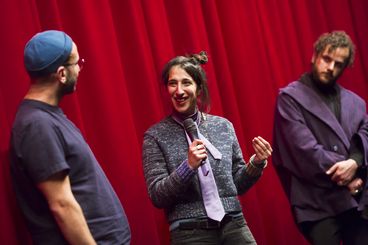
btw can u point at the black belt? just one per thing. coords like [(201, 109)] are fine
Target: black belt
[(207, 224)]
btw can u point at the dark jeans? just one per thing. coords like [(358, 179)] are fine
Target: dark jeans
[(349, 228), (234, 232)]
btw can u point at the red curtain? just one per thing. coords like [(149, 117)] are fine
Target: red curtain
[(254, 47)]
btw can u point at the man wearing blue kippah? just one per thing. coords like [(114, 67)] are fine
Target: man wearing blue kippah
[(61, 188)]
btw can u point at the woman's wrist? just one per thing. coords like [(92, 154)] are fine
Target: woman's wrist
[(255, 168)]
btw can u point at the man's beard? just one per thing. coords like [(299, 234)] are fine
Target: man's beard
[(68, 87), (323, 84)]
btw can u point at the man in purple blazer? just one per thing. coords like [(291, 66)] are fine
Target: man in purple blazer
[(321, 148)]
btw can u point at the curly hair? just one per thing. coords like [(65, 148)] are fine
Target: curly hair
[(191, 64), (336, 39)]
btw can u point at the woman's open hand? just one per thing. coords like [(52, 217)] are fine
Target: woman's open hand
[(262, 149)]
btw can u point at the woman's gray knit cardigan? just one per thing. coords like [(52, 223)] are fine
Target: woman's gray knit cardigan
[(165, 148)]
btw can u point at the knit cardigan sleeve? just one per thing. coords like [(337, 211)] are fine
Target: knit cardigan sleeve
[(242, 180), (163, 186)]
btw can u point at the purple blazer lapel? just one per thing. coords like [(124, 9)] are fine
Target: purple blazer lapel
[(311, 102), (347, 110)]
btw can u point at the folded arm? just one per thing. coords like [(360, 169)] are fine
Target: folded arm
[(296, 147)]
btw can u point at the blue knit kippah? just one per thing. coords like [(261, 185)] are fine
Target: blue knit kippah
[(46, 51)]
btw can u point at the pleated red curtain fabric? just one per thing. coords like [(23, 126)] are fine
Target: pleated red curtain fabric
[(254, 47)]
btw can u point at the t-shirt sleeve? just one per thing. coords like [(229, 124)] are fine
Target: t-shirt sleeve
[(42, 150)]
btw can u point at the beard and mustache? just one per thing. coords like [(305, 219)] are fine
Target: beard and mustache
[(329, 80), (69, 86)]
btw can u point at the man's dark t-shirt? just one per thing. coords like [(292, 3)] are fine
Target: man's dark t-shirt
[(45, 142)]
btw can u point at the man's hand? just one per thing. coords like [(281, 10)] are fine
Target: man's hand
[(343, 172), (355, 186)]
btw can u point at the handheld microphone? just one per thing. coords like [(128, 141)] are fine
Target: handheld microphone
[(192, 132)]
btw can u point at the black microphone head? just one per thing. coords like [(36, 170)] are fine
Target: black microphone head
[(190, 128)]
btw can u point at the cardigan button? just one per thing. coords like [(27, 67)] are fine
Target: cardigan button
[(335, 148)]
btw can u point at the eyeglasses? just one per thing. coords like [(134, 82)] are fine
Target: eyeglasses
[(80, 63)]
